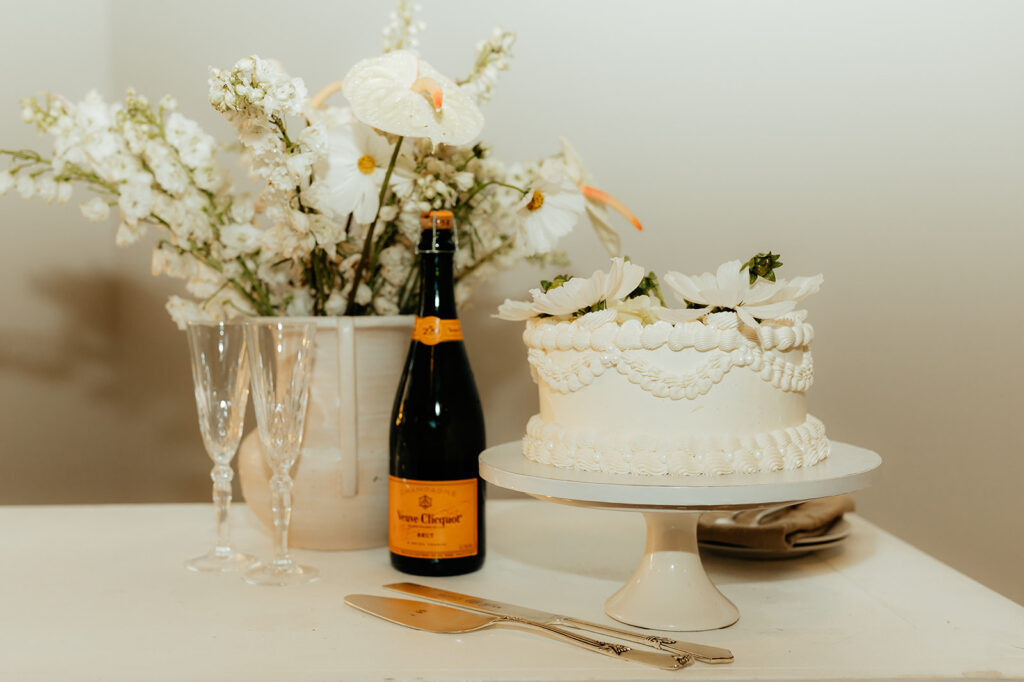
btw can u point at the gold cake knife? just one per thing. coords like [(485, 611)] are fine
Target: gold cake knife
[(700, 652)]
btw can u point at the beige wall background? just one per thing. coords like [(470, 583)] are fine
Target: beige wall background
[(881, 143)]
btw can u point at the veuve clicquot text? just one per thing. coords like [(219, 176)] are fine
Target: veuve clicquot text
[(435, 493)]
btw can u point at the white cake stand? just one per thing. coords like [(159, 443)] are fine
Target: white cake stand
[(669, 589)]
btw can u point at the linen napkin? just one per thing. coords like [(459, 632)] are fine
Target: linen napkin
[(778, 530)]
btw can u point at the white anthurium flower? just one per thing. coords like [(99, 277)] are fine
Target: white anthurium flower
[(730, 288), (356, 163), (548, 211), (578, 294), (401, 94), (597, 201)]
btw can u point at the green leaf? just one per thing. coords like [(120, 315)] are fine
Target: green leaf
[(763, 265), (547, 285)]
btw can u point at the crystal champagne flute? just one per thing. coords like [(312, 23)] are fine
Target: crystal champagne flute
[(280, 358), (221, 379)]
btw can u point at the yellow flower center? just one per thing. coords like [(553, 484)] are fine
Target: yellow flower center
[(536, 201), (366, 164)]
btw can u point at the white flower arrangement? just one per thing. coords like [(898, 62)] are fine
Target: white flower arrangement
[(333, 227), (747, 293)]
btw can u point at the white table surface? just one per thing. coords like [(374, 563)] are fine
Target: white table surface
[(99, 593)]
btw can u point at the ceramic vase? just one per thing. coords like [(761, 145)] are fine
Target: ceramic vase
[(340, 496)]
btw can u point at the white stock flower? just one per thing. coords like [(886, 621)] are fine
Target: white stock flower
[(46, 188), (259, 87), (183, 311), (301, 304), (168, 261), (26, 186), (195, 148), (492, 58), (336, 303), (383, 304), (6, 182), (401, 94), (578, 293), (137, 197), (239, 239), (730, 288), (547, 212), (95, 210), (364, 294), (402, 28), (168, 172), (129, 233)]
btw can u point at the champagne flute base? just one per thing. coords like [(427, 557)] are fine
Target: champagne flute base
[(275, 573), (221, 561)]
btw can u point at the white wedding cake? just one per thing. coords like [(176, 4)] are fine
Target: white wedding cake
[(630, 386)]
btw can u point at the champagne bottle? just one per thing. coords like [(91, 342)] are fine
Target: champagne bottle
[(435, 493)]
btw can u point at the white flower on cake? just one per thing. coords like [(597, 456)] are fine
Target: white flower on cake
[(577, 294), (730, 288), (747, 293), (401, 94), (547, 212)]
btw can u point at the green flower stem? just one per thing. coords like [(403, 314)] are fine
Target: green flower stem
[(368, 244), (263, 305), (406, 290), (260, 303), (480, 188)]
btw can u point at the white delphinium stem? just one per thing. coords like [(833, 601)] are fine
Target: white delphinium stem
[(402, 28), (492, 57)]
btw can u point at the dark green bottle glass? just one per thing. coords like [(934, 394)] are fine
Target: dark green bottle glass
[(436, 495)]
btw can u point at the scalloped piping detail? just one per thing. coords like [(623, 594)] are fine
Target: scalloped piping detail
[(685, 455), (780, 373), (632, 335)]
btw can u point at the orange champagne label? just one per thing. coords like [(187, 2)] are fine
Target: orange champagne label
[(434, 330), (432, 519)]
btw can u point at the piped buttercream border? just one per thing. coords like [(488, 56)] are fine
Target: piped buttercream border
[(685, 455), (631, 335)]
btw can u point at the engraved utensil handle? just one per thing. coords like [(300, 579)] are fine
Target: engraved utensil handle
[(652, 658), (700, 652)]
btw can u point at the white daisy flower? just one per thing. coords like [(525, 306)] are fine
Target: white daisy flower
[(357, 161), (730, 288), (547, 212)]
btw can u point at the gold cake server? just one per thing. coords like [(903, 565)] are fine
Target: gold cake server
[(422, 615), (700, 652)]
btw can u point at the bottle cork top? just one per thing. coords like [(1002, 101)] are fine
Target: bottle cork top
[(438, 220)]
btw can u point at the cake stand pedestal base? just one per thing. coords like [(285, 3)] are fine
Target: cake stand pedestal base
[(669, 589)]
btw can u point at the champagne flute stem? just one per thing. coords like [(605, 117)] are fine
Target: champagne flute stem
[(222, 476), (281, 503)]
